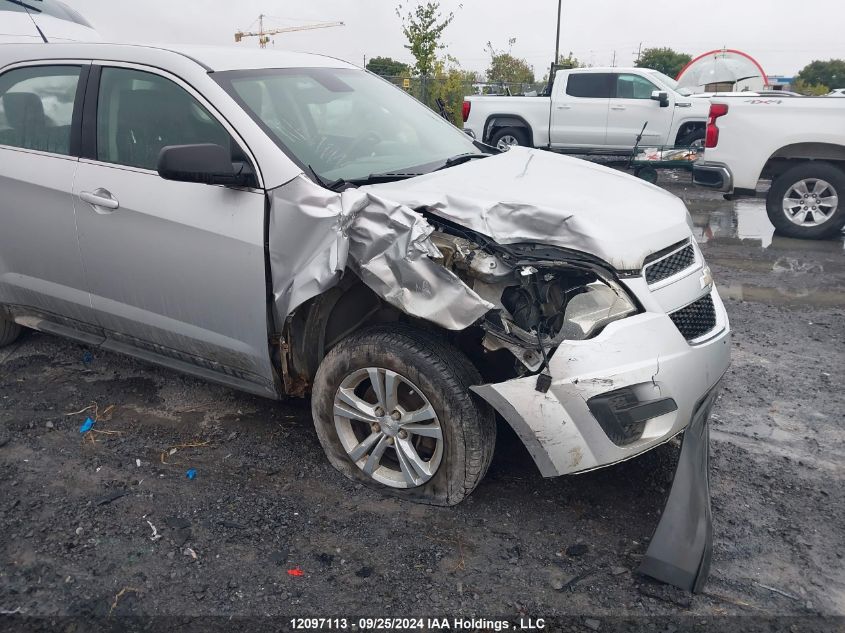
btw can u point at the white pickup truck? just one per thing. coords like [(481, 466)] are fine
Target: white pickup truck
[(591, 110), (799, 144)]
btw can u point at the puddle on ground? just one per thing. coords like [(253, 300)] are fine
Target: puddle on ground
[(719, 220), (782, 296)]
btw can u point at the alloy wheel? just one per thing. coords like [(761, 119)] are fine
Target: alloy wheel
[(810, 202), (388, 428)]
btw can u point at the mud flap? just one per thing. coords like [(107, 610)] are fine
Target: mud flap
[(682, 544)]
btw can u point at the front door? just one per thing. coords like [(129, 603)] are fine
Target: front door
[(631, 107), (176, 270)]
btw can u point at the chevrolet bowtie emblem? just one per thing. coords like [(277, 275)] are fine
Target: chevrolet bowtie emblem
[(706, 278)]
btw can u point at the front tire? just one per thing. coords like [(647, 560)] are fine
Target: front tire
[(806, 201), (9, 332), (393, 410), (509, 137)]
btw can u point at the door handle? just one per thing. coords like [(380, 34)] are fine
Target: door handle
[(99, 199), (618, 107), (564, 107)]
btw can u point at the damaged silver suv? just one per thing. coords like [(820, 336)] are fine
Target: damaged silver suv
[(288, 224)]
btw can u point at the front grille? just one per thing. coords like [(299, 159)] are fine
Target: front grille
[(696, 319), (668, 266)]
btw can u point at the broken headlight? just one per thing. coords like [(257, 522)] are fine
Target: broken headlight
[(565, 304), (591, 309)]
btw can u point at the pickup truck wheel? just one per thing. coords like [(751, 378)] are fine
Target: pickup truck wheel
[(9, 332), (805, 201), (692, 139), (509, 137), (393, 410)]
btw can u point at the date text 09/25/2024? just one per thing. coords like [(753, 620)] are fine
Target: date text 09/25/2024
[(415, 624)]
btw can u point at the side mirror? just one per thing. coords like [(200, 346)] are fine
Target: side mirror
[(204, 163), (662, 97)]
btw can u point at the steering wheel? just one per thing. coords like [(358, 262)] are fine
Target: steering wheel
[(361, 145)]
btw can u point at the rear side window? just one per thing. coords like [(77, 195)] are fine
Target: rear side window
[(140, 113), (36, 107), (595, 85)]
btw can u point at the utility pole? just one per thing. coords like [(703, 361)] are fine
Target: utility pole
[(557, 37), (639, 52), (613, 63)]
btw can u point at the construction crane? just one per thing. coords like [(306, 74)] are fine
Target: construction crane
[(264, 35)]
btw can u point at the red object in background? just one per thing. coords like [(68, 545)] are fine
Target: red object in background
[(296, 571), (711, 138), (465, 110)]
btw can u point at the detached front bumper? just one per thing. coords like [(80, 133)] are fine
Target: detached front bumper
[(713, 175), (646, 360)]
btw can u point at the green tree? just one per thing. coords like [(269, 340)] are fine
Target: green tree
[(423, 28), (570, 61), (451, 84), (811, 90), (388, 67), (509, 69), (666, 60), (819, 73)]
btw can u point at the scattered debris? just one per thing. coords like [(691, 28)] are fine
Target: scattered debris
[(592, 624), (569, 584), (87, 358), (16, 611), (87, 425), (50, 426), (112, 496), (778, 591), (171, 450), (191, 473), (296, 571), (137, 463), (155, 535), (364, 572), (121, 593), (190, 552)]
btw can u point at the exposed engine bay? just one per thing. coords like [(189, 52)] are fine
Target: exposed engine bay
[(542, 295)]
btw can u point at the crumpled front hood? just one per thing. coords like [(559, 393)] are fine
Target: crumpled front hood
[(528, 195)]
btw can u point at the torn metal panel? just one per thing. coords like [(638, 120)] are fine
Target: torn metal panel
[(527, 195), (682, 545), (315, 234)]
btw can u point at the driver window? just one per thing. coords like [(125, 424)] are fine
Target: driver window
[(634, 87), (139, 113)]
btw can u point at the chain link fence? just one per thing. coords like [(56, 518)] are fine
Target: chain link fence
[(451, 92)]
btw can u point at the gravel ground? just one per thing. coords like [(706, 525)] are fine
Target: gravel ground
[(110, 524)]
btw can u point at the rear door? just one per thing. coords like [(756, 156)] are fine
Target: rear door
[(631, 107), (579, 110), (176, 270), (41, 274)]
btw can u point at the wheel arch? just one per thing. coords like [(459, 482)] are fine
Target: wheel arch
[(790, 155), (498, 121), (687, 127)]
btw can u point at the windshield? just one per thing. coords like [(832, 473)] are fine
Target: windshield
[(345, 123)]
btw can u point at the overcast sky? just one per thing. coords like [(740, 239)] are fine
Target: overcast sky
[(784, 35)]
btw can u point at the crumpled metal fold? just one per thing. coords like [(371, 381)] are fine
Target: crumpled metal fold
[(315, 234)]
